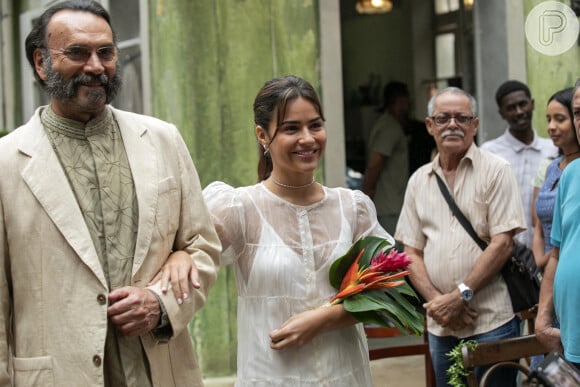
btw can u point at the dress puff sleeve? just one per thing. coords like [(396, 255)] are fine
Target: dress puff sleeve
[(226, 212), (367, 223)]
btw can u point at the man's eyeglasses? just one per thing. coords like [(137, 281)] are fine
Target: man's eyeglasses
[(82, 54), (444, 120)]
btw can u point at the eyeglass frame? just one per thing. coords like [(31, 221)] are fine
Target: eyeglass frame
[(469, 120), (85, 53)]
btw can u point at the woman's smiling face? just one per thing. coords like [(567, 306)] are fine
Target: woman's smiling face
[(297, 144), (560, 126)]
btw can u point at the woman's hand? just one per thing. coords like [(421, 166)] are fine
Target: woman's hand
[(303, 327), (179, 269)]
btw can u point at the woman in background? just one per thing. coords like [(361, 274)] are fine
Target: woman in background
[(561, 130), (560, 285)]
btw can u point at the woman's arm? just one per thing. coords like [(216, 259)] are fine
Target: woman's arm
[(302, 327), (538, 243)]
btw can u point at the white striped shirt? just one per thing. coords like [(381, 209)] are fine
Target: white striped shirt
[(486, 191)]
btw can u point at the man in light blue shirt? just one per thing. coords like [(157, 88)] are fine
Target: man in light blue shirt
[(520, 145)]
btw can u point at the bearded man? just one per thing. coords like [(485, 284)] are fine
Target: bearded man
[(92, 202)]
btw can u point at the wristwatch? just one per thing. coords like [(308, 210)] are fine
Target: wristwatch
[(465, 292)]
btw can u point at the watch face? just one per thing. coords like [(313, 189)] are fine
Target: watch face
[(467, 294), (465, 291)]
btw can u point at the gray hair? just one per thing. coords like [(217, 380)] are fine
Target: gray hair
[(452, 90)]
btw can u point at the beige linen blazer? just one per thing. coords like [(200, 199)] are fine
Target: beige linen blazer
[(53, 293)]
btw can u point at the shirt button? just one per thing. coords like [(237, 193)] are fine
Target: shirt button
[(97, 360), (101, 299)]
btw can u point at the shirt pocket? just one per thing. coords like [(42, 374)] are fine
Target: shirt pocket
[(480, 214), (33, 371)]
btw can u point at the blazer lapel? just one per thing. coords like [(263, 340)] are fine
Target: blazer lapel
[(44, 176), (143, 161)]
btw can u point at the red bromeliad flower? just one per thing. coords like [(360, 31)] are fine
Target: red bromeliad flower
[(394, 261), (374, 276)]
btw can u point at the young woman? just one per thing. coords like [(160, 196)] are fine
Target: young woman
[(560, 285), (282, 235), (561, 130)]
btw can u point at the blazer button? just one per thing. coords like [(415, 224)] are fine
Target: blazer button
[(97, 360), (101, 299)]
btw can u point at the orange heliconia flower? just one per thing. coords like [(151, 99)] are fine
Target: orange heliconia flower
[(373, 277)]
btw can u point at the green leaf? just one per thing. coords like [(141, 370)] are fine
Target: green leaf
[(388, 310), (371, 245), (340, 266), (369, 318), (362, 302), (400, 309)]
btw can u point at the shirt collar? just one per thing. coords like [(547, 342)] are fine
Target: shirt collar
[(519, 146), (470, 157), (76, 129)]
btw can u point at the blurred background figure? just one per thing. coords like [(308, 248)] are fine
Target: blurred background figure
[(387, 168)]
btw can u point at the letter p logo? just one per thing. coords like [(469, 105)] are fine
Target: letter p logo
[(552, 28), (551, 23)]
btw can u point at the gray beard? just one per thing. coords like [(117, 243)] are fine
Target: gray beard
[(56, 87)]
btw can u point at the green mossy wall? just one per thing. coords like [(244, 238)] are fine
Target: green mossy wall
[(208, 61), (548, 74)]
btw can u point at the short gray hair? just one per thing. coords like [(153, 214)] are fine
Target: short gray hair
[(452, 90)]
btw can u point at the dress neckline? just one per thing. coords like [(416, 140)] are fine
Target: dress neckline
[(296, 206)]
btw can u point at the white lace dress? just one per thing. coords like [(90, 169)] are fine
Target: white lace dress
[(281, 254)]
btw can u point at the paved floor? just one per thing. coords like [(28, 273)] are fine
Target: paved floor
[(407, 371), (404, 371)]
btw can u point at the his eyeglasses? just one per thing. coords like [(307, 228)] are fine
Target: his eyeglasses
[(81, 54), (444, 120)]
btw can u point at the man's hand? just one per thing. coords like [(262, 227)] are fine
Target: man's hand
[(449, 310), (134, 311), (548, 335)]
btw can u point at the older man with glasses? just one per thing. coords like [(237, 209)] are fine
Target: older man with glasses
[(92, 201), (466, 298)]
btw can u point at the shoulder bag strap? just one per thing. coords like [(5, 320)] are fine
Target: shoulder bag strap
[(458, 214)]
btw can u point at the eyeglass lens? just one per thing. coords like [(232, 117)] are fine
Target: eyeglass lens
[(443, 120), (82, 54)]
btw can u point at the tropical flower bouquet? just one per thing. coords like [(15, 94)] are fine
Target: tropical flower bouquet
[(371, 285)]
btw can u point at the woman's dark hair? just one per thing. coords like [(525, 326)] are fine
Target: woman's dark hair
[(565, 97), (37, 37), (271, 101)]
